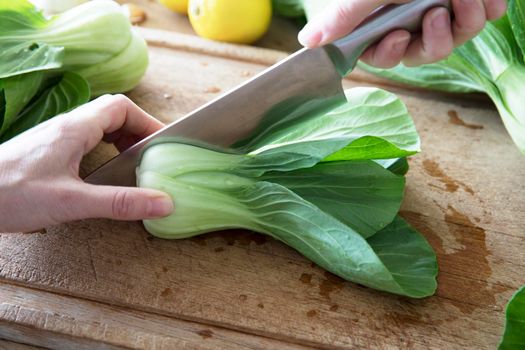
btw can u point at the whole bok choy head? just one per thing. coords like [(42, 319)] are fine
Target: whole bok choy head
[(492, 63), (51, 65), (320, 184)]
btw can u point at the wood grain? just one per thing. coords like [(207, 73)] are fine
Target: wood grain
[(465, 193), (62, 322), (9, 345)]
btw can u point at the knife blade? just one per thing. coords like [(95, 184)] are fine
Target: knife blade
[(310, 79)]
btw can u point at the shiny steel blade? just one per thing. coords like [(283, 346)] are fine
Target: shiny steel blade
[(306, 77), (307, 81)]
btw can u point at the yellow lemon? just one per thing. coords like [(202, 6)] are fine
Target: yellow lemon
[(180, 6), (236, 21)]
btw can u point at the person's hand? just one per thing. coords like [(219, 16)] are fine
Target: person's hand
[(439, 36), (39, 169)]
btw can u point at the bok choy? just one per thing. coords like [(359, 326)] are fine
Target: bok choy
[(514, 335), (50, 65), (320, 184), (492, 63)]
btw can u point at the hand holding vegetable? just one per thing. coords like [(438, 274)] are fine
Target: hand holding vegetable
[(439, 37), (39, 181)]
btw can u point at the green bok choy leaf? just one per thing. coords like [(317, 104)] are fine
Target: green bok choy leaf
[(314, 183), (492, 63), (514, 335), (84, 52)]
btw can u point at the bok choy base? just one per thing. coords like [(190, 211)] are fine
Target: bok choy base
[(315, 184)]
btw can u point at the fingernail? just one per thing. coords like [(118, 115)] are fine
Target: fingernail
[(160, 207), (401, 44), (309, 37), (441, 20)]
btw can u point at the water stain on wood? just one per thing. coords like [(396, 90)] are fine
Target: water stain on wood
[(334, 307), (433, 169), (231, 238), (205, 333), (306, 278), (260, 306), (408, 317), (164, 269), (456, 120), (473, 239), (311, 313), (331, 283), (243, 238), (166, 292), (465, 271)]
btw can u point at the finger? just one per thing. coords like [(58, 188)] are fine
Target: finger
[(121, 203), (435, 43), (495, 8), (337, 20), (110, 113), (389, 52), (469, 19)]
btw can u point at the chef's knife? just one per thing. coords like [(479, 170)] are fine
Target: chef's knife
[(310, 79)]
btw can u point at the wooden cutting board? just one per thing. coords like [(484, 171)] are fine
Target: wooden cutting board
[(105, 284)]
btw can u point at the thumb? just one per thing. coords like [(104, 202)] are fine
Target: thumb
[(125, 203)]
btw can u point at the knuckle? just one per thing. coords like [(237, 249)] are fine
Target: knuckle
[(343, 11), (120, 98), (63, 130), (471, 28), (122, 205), (109, 101)]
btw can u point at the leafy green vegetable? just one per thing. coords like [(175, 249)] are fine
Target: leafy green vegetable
[(303, 182), (90, 45), (492, 63), (129, 71), (360, 194), (70, 91), (299, 8), (288, 8), (514, 336)]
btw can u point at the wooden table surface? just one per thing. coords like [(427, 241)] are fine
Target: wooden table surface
[(104, 284)]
